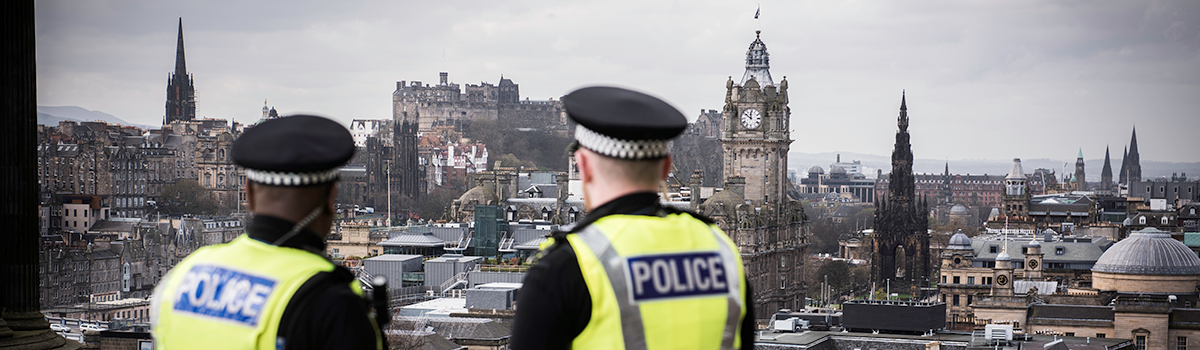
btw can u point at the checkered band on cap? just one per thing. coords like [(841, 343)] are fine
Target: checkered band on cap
[(623, 149), (275, 178)]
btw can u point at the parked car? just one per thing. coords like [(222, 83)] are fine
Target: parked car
[(59, 328), (91, 328)]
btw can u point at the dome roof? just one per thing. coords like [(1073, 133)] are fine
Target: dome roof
[(727, 197), (958, 209), (959, 241), (837, 170), (481, 195), (1034, 243), (1003, 256), (1149, 252), (815, 170)]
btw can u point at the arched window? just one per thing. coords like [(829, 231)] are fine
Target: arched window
[(1142, 220)]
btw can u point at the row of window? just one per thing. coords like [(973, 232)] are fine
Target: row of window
[(970, 280)]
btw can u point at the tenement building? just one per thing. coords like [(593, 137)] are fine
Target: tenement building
[(754, 208)]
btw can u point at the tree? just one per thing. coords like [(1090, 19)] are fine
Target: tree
[(186, 196), (433, 206)]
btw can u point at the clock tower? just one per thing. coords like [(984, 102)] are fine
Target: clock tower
[(756, 137)]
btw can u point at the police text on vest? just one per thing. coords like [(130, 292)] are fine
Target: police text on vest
[(223, 293), (676, 275)]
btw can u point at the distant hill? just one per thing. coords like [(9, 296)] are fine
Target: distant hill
[(50, 120), (51, 115), (801, 162)]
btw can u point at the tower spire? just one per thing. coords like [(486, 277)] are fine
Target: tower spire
[(180, 64), (1135, 159), (1106, 172), (181, 92), (902, 121)]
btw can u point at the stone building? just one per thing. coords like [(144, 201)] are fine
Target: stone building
[(978, 192), (430, 105), (966, 265), (839, 180), (354, 239), (1144, 288), (754, 208), (901, 221), (127, 185)]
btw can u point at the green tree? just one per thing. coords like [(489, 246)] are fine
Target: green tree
[(186, 196)]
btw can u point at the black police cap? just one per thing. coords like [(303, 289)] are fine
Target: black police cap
[(622, 123), (298, 150)]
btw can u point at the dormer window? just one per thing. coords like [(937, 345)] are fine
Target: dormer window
[(993, 249), (1060, 250)]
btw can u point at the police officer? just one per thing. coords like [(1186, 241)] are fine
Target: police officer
[(272, 288), (632, 274)]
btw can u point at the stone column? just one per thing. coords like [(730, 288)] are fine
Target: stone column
[(22, 325)]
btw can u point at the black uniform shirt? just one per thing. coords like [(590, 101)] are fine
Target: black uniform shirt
[(324, 313), (554, 306)]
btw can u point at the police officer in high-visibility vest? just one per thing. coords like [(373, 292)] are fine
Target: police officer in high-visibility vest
[(272, 288), (632, 274)]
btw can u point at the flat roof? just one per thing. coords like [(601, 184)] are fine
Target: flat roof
[(393, 257), (811, 338)]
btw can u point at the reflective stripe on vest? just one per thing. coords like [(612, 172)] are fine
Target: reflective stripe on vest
[(665, 277)]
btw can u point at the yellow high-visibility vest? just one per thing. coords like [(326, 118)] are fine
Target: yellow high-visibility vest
[(232, 295), (669, 282)]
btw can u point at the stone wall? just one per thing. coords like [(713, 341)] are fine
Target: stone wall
[(692, 151), (540, 115), (1183, 284)]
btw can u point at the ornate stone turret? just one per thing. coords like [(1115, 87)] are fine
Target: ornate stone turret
[(1002, 274), (1033, 261)]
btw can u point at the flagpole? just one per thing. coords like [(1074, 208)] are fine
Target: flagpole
[(758, 22)]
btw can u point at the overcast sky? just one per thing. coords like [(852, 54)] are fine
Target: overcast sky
[(985, 79)]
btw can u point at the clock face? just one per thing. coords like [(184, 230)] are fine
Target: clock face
[(1033, 264), (1002, 280), (751, 118)]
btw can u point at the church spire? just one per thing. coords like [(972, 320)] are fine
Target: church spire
[(181, 92), (180, 65), (1106, 172), (1135, 160), (902, 121)]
